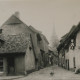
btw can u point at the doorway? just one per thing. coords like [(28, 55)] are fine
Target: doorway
[(68, 64), (10, 62), (74, 64)]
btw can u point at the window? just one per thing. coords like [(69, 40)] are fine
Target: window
[(72, 44), (39, 37), (1, 64), (74, 62)]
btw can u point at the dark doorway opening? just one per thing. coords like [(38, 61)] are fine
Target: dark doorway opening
[(74, 62), (68, 64), (11, 68)]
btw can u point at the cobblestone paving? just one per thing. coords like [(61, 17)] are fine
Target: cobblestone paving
[(44, 74)]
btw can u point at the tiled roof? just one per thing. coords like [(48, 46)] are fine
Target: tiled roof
[(15, 43), (66, 37)]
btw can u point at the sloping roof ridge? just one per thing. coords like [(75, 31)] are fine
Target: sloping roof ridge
[(70, 32), (34, 30), (64, 36), (16, 18), (45, 38), (68, 35), (78, 26), (7, 21), (72, 29), (20, 20)]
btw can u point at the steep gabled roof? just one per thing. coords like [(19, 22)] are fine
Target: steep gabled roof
[(68, 34), (45, 38), (13, 20), (34, 30), (75, 31), (14, 43), (66, 37)]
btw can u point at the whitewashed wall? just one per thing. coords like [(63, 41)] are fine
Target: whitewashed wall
[(29, 60), (69, 55), (77, 50)]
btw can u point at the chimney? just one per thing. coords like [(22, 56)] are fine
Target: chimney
[(17, 14)]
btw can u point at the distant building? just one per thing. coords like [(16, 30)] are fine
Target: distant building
[(40, 44), (54, 56), (69, 49)]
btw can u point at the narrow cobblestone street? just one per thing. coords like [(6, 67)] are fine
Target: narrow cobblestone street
[(44, 74)]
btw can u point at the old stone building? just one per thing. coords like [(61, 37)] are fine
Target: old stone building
[(16, 52), (20, 51), (69, 49)]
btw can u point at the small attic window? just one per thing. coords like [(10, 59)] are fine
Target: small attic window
[(30, 48), (39, 37)]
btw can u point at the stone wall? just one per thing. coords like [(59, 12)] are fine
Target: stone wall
[(20, 64), (29, 60)]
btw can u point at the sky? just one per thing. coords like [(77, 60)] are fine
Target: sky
[(49, 16)]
